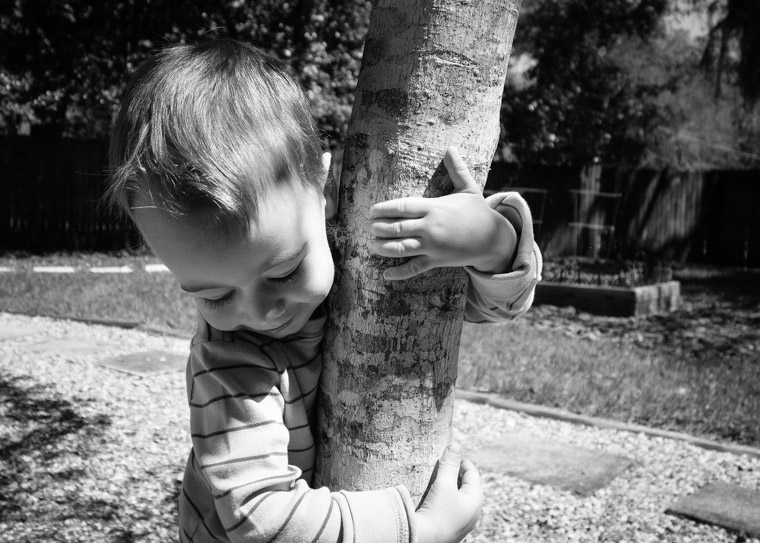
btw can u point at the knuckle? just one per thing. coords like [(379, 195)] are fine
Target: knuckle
[(415, 267)]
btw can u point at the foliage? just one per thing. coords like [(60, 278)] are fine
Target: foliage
[(644, 83), (63, 63), (712, 119), (609, 81), (580, 105), (693, 129), (733, 45), (607, 273)]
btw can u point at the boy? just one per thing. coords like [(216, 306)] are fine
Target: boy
[(216, 158)]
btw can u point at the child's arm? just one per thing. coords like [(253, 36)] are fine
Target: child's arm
[(241, 483), (492, 238)]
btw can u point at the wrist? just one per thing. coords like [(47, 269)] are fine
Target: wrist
[(503, 247), (425, 529)]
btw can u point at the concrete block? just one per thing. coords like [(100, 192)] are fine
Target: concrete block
[(550, 462)]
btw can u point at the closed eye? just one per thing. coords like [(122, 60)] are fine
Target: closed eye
[(289, 278), (217, 303)]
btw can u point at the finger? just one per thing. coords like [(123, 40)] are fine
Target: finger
[(469, 477), (458, 172), (326, 160), (396, 248), (390, 228), (401, 208), (449, 465), (409, 269)]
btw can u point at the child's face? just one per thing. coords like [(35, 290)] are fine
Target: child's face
[(269, 281)]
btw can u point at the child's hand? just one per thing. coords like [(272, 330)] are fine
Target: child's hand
[(459, 229), (452, 505)]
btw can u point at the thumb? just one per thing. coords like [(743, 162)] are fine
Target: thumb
[(407, 270), (458, 172), (448, 466)]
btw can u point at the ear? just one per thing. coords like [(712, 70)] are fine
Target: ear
[(331, 186)]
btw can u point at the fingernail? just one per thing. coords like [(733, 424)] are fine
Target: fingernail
[(455, 448)]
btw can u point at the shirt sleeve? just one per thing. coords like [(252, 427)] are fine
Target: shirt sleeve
[(239, 484), (505, 296)]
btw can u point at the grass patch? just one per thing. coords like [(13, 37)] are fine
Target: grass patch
[(154, 299), (696, 370), (715, 397)]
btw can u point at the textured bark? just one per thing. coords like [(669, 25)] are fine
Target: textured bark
[(432, 76)]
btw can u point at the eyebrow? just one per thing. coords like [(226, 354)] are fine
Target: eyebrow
[(276, 260)]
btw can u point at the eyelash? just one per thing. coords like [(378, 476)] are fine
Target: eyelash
[(219, 302), (288, 278)]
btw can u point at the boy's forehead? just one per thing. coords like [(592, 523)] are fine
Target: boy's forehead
[(279, 209)]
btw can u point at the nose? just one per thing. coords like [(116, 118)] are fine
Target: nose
[(263, 308)]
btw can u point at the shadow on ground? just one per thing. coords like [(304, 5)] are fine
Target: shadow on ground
[(34, 452)]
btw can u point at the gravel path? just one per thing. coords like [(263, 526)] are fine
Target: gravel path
[(89, 454)]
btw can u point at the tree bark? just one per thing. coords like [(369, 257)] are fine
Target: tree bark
[(432, 75)]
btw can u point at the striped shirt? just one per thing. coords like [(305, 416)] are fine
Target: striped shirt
[(252, 414)]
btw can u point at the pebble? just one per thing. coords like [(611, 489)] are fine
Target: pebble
[(124, 460)]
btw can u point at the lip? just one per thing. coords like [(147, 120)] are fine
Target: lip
[(282, 326)]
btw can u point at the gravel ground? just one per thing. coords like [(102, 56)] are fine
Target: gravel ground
[(90, 455)]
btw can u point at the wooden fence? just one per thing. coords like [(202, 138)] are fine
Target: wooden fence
[(711, 217), (51, 192)]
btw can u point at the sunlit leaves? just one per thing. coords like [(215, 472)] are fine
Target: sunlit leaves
[(64, 62)]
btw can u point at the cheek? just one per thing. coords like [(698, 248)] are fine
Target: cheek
[(321, 278), (327, 278)]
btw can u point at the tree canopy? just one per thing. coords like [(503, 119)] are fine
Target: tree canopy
[(62, 64), (580, 105), (609, 81)]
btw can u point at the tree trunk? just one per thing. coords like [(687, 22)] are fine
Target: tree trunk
[(432, 76)]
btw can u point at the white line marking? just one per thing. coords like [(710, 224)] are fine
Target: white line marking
[(6, 269), (53, 269), (111, 269), (156, 268)]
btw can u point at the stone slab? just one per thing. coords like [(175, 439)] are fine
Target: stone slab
[(722, 504), (550, 462), (13, 332), (70, 346), (146, 362)]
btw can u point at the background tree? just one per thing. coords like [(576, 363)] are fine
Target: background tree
[(631, 82), (432, 76), (63, 64), (733, 45), (613, 82), (580, 106)]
